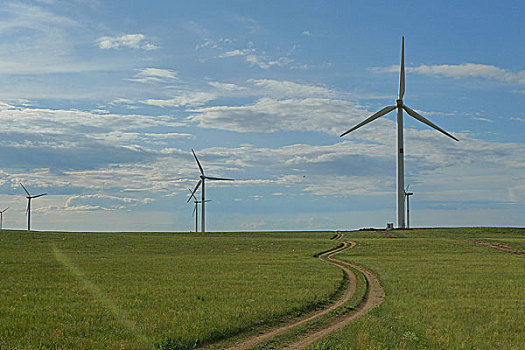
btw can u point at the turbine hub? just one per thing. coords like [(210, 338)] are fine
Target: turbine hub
[(399, 103)]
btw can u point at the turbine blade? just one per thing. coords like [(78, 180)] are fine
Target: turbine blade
[(25, 189), (371, 118), (218, 178), (402, 73), (40, 195), (422, 119), (194, 209), (27, 208), (198, 163), (194, 190), (192, 195)]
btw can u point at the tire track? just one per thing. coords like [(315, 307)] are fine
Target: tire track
[(373, 297)]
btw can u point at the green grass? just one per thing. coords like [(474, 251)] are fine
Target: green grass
[(133, 290), (442, 291), (146, 290), (280, 341)]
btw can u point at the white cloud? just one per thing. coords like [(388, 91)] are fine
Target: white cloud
[(63, 121), (186, 99), (214, 44), (226, 86), (291, 89), (168, 135), (133, 41), (261, 61), (102, 202), (155, 75), (464, 71), (266, 62), (483, 119), (237, 52), (307, 33), (270, 115)]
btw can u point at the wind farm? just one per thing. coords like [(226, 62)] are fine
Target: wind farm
[(345, 215)]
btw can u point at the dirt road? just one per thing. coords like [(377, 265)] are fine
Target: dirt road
[(373, 298)]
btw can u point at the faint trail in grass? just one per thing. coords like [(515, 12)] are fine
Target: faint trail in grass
[(373, 297), (500, 246), (121, 315)]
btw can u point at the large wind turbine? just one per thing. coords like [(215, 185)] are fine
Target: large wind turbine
[(28, 210), (400, 161), (202, 182), (2, 218)]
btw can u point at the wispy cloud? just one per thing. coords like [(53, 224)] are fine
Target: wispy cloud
[(270, 115), (133, 41), (190, 99), (265, 62), (486, 120), (464, 71), (292, 89), (102, 202), (154, 75), (226, 86), (236, 52), (262, 61)]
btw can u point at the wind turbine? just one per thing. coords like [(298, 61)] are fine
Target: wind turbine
[(400, 152), (2, 218), (196, 209), (202, 182), (407, 195), (28, 210)]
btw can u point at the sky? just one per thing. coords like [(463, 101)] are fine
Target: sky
[(101, 103)]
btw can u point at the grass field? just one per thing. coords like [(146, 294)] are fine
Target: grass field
[(442, 291), (176, 291), (102, 290)]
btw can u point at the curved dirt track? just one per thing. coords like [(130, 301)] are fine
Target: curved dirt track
[(374, 296)]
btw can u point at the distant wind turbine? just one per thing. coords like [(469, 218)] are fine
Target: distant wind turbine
[(28, 210), (407, 195), (400, 152), (196, 209), (2, 218), (202, 182)]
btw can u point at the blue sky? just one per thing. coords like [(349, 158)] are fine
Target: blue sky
[(101, 103)]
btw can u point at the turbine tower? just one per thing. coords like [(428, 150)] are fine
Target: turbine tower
[(407, 195), (28, 210), (196, 209), (203, 196), (400, 152), (2, 218)]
